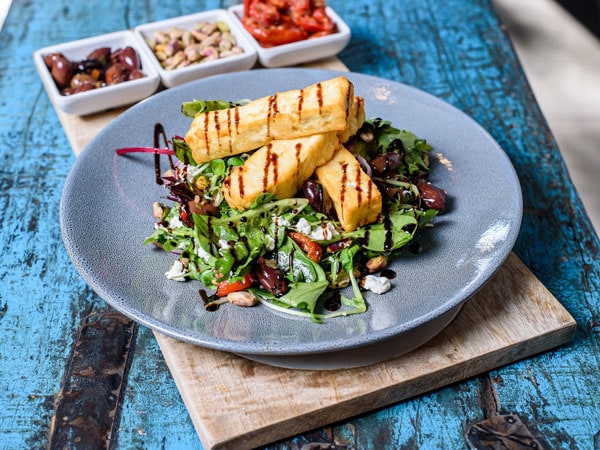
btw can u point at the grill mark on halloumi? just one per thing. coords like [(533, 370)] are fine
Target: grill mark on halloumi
[(320, 97), (359, 186), (357, 201), (218, 127), (343, 191), (271, 162), (281, 167), (356, 117), (237, 120), (300, 102), (298, 148), (206, 125), (319, 108), (229, 129)]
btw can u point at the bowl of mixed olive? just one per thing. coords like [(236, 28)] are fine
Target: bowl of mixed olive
[(194, 46), (98, 73)]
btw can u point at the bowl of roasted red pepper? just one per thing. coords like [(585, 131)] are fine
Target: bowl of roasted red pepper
[(97, 73), (290, 32)]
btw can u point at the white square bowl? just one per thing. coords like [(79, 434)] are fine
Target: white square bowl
[(107, 97), (301, 51), (175, 77)]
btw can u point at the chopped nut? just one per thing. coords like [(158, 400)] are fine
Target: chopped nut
[(367, 135), (242, 298), (179, 47), (377, 263), (159, 210)]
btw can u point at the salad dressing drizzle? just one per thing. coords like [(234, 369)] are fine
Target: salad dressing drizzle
[(389, 241), (206, 127), (236, 116), (300, 103), (272, 110), (348, 103), (297, 154), (218, 128), (159, 132), (320, 97), (344, 180), (358, 188), (271, 161), (240, 182), (229, 130)]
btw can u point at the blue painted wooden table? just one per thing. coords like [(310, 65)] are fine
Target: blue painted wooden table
[(456, 50)]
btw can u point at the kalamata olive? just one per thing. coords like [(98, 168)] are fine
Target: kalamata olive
[(135, 74), (385, 164), (61, 71), (116, 73), (127, 57), (432, 197), (50, 58), (271, 278), (313, 191), (102, 55), (317, 197)]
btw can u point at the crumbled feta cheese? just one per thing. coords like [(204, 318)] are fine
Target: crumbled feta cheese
[(192, 172), (177, 271), (175, 222), (281, 222), (303, 226), (378, 285), (269, 242), (323, 232), (224, 244), (202, 254)]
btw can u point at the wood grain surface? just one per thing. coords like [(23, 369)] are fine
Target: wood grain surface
[(456, 50)]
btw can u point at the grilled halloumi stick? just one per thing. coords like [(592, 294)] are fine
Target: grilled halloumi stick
[(356, 199), (280, 168), (318, 108), (356, 119)]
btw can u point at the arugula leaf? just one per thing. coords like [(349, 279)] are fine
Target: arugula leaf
[(236, 241), (195, 107), (396, 231)]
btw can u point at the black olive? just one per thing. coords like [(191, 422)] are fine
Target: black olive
[(271, 278), (62, 71), (385, 164), (313, 191), (432, 197)]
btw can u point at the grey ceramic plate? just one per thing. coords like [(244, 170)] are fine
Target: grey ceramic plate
[(106, 215)]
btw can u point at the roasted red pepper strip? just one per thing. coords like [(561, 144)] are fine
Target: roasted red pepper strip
[(226, 287), (313, 249)]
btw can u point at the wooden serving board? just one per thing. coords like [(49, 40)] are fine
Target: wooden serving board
[(236, 403)]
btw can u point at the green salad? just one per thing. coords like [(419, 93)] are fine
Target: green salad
[(292, 254)]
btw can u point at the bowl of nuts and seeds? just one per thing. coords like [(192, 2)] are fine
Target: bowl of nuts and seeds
[(194, 46)]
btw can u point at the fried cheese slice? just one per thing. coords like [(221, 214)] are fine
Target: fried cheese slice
[(356, 199), (319, 108), (281, 167), (356, 118)]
